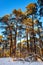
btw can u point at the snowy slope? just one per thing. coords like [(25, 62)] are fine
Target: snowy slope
[(9, 61)]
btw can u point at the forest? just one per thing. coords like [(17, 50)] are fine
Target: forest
[(23, 32)]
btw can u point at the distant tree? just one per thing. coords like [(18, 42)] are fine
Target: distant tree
[(5, 18), (40, 2), (31, 8), (18, 12), (19, 17)]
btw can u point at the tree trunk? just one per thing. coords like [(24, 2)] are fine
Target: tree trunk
[(33, 35), (27, 43)]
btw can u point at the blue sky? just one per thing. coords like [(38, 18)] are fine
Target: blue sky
[(6, 6)]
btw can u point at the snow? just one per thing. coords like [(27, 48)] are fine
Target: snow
[(9, 61)]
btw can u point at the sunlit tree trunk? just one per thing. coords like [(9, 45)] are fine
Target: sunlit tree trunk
[(27, 40)]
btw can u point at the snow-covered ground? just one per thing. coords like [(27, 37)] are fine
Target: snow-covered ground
[(10, 61)]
